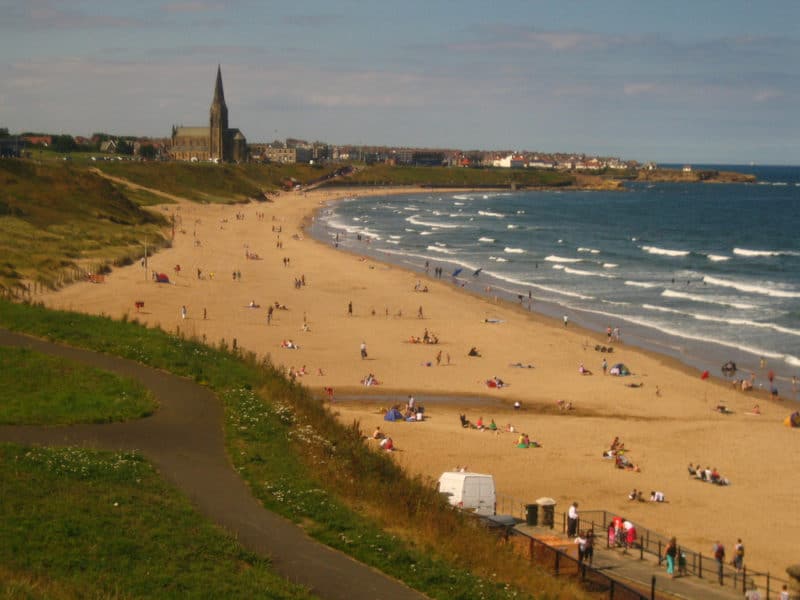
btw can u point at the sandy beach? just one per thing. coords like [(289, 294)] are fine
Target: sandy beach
[(666, 422)]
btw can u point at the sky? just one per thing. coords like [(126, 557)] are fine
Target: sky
[(684, 81)]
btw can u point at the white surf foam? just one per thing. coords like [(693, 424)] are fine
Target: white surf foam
[(486, 213), (486, 239), (665, 251), (440, 250), (513, 250), (560, 259), (707, 300), (610, 265), (718, 257), (416, 221), (583, 273), (641, 284), (590, 250), (764, 289)]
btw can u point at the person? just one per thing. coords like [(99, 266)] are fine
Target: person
[(363, 350), (377, 434), (604, 365), (473, 352), (183, 312), (784, 595), (583, 370), (349, 309), (566, 320), (738, 555), (387, 444), (588, 550), (581, 541), (493, 425), (479, 423), (752, 593), (657, 497), (633, 495), (719, 557), (572, 520), (670, 553), (517, 405)]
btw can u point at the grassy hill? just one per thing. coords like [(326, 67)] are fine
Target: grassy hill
[(57, 219)]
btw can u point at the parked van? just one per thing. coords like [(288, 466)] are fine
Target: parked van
[(470, 491)]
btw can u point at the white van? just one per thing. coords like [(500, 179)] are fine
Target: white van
[(470, 491)]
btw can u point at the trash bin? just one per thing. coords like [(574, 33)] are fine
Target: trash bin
[(548, 506), (532, 514)]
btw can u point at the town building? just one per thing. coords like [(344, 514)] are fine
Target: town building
[(217, 142)]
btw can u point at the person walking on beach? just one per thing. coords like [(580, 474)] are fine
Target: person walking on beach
[(670, 554), (183, 312), (269, 314), (719, 556), (605, 366), (349, 309), (566, 320), (572, 520), (363, 350)]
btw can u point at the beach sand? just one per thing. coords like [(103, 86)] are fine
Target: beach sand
[(664, 433)]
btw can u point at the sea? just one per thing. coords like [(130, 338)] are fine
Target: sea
[(702, 272)]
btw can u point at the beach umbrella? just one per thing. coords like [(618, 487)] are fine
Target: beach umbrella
[(457, 272)]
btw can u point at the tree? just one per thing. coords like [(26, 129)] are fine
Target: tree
[(3, 132), (63, 143), (124, 147), (147, 151)]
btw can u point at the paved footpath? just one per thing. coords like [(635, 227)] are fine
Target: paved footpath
[(184, 439), (628, 568)]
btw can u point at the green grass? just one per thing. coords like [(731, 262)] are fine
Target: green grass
[(38, 389), (304, 465), (458, 177), (83, 524)]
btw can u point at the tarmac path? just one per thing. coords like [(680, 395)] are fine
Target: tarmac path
[(184, 439)]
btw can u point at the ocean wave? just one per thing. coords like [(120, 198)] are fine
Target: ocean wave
[(590, 250), (513, 250), (725, 320), (440, 250), (511, 226), (536, 286), (498, 259), (707, 300), (718, 257), (486, 213), (610, 265), (641, 284), (396, 237), (486, 239), (413, 219), (461, 197), (750, 288), (587, 273), (411, 208), (683, 333), (427, 232), (762, 253), (664, 251), (392, 242), (560, 259)]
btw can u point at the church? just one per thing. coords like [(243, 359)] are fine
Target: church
[(217, 142)]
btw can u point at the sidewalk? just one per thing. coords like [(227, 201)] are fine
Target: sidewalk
[(629, 569)]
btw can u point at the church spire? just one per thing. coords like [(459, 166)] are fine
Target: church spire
[(219, 95)]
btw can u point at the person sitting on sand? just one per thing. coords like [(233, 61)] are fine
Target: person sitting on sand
[(523, 441), (498, 382), (692, 470), (510, 428), (492, 426), (633, 495), (583, 370), (253, 304), (387, 444), (657, 497), (479, 424), (464, 421), (377, 434), (756, 410), (473, 352)]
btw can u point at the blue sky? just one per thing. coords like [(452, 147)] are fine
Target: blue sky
[(682, 81)]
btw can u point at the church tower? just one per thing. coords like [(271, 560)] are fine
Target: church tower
[(218, 122)]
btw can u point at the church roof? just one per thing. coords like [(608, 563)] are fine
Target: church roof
[(192, 131), (235, 134)]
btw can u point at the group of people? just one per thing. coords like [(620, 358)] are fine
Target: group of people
[(369, 380), (655, 496), (708, 474), (427, 338)]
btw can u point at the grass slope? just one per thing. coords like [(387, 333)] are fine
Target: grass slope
[(54, 217), (458, 177), (37, 389), (303, 464), (83, 524)]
